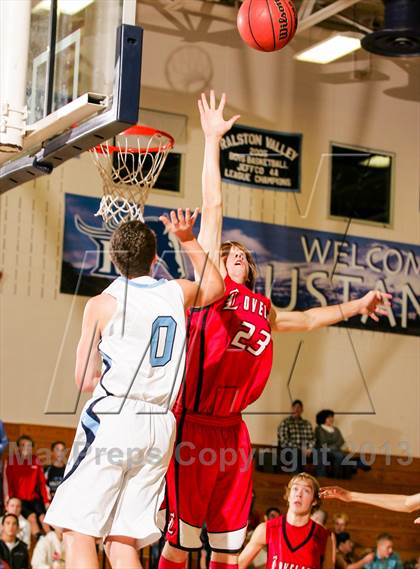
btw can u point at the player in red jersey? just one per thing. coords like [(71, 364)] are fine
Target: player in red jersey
[(294, 540), (229, 359)]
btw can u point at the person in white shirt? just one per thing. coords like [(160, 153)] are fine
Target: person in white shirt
[(14, 506), (49, 551)]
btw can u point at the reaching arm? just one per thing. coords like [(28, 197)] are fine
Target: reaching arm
[(253, 547), (394, 502), (214, 128), (210, 286), (98, 311), (365, 560), (371, 304), (341, 563)]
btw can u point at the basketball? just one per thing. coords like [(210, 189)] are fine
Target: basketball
[(267, 25)]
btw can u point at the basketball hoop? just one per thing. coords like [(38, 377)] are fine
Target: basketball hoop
[(128, 171)]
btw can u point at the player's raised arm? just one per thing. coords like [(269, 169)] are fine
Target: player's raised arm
[(210, 286), (253, 547), (214, 128), (88, 361), (372, 304)]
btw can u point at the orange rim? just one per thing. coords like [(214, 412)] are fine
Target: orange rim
[(138, 129)]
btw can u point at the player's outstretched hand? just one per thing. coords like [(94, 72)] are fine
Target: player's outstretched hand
[(179, 224), (212, 121), (373, 303), (334, 493)]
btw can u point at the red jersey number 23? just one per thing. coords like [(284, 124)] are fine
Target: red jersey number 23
[(244, 339)]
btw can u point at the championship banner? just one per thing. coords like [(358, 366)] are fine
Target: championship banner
[(298, 268), (261, 158)]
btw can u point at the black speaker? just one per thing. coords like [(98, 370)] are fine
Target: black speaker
[(400, 36)]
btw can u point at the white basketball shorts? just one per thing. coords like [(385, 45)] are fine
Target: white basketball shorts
[(114, 481)]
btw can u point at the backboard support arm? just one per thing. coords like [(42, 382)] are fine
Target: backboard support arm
[(122, 114)]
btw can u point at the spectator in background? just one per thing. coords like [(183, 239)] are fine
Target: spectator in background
[(340, 522), (49, 551), (54, 473), (320, 517), (12, 550), (24, 479), (14, 506), (271, 513), (385, 558), (296, 439), (4, 441), (260, 561), (343, 558), (329, 437)]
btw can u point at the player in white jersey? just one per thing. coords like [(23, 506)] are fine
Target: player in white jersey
[(114, 480)]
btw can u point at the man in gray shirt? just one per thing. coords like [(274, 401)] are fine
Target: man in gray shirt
[(296, 440)]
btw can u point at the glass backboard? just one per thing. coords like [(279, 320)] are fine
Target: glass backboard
[(83, 34)]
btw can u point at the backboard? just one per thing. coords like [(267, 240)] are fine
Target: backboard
[(82, 81)]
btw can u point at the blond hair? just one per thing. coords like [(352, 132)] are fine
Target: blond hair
[(341, 515)]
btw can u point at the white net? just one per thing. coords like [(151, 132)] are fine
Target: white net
[(128, 171)]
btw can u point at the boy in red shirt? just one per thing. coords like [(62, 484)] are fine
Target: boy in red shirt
[(24, 479)]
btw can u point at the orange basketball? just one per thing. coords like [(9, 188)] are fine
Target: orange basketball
[(267, 25)]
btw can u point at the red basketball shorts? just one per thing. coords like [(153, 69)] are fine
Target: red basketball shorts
[(209, 482)]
